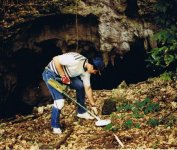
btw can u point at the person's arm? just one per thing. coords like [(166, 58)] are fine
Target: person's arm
[(89, 94), (58, 66), (64, 78)]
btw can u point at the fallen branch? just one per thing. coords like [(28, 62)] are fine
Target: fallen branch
[(64, 139), (118, 140), (22, 119)]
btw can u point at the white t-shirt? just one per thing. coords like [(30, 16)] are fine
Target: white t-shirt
[(73, 66)]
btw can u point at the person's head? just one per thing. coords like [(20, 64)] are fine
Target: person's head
[(95, 65)]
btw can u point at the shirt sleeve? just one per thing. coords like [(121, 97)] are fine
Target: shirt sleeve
[(85, 77), (66, 60)]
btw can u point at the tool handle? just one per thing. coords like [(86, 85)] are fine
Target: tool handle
[(65, 94)]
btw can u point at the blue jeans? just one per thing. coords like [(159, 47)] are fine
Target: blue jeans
[(76, 84)]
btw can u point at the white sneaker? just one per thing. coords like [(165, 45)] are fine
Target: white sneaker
[(57, 130), (85, 115)]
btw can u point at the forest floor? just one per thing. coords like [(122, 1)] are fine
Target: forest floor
[(145, 117)]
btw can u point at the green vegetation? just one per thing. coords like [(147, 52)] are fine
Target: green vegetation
[(146, 106), (134, 111), (166, 52), (128, 124), (166, 76), (153, 122)]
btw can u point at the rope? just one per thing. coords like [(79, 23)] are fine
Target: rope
[(77, 36)]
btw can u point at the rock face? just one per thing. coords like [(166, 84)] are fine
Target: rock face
[(35, 31), (110, 23)]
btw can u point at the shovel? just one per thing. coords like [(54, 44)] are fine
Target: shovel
[(62, 88)]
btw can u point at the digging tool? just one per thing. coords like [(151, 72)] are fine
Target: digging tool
[(62, 88)]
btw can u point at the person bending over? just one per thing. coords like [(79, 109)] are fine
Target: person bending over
[(74, 69)]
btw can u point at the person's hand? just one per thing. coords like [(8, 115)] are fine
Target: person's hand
[(65, 79), (94, 110)]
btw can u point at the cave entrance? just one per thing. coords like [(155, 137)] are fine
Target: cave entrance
[(30, 63), (132, 68), (29, 67)]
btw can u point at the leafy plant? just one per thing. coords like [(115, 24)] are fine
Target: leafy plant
[(166, 52), (147, 106), (141, 104), (137, 125), (128, 124), (153, 122), (166, 76), (111, 127), (128, 107), (125, 106), (152, 107), (136, 110)]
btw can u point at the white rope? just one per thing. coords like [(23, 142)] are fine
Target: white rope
[(77, 36)]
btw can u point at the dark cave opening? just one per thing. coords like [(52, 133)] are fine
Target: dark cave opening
[(132, 68), (29, 68), (31, 64)]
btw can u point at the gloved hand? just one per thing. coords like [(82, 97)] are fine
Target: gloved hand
[(65, 79), (94, 110)]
